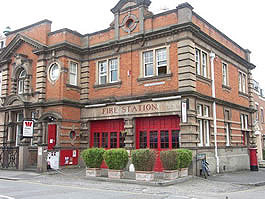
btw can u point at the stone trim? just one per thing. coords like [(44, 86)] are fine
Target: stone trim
[(160, 77), (108, 85)]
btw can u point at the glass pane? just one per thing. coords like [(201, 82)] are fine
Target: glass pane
[(149, 69), (143, 139), (164, 140), (72, 79), (104, 140), (175, 139), (148, 57), (113, 140), (103, 79), (114, 75), (153, 140), (162, 70), (96, 140)]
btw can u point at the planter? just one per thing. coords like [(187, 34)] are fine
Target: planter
[(115, 174), (93, 172), (171, 174), (144, 175), (183, 172)]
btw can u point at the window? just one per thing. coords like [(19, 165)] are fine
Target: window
[(19, 119), (227, 126), (262, 114), (242, 80), (203, 113), (155, 62), (2, 44), (201, 62), (225, 74), (21, 79), (108, 71), (244, 121), (1, 77), (257, 112), (73, 73)]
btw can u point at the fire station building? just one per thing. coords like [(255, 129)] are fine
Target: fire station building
[(160, 81)]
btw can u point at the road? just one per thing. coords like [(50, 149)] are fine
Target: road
[(54, 188)]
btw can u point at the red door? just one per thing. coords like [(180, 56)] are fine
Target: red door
[(158, 133), (51, 136), (107, 134)]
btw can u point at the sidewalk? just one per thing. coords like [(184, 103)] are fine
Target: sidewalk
[(251, 178), (17, 175)]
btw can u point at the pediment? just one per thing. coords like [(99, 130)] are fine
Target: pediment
[(16, 43), (14, 100), (124, 4)]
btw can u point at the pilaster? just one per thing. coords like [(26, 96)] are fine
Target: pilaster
[(129, 139), (41, 79), (84, 81)]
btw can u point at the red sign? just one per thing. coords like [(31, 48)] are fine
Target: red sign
[(28, 128)]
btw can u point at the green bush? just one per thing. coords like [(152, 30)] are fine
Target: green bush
[(93, 157), (143, 159), (184, 157), (116, 159), (169, 160)]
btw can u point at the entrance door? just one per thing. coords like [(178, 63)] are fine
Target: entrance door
[(51, 136), (158, 133)]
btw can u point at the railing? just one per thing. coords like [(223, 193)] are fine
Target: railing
[(9, 157)]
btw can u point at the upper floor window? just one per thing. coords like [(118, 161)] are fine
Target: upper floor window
[(242, 82), (155, 62), (257, 112), (73, 73), (21, 81), (261, 114), (201, 62), (244, 121), (108, 71), (203, 113), (2, 44), (225, 74)]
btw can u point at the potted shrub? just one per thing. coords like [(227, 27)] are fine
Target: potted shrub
[(93, 158), (170, 163), (116, 160), (184, 157), (143, 161)]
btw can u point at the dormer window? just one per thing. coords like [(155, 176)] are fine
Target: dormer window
[(21, 79)]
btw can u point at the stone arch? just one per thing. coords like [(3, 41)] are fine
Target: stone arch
[(47, 115), (11, 99)]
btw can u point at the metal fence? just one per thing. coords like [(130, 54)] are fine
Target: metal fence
[(9, 157)]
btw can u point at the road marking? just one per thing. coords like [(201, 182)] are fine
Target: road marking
[(6, 197)]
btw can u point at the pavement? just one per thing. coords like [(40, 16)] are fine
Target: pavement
[(246, 177)]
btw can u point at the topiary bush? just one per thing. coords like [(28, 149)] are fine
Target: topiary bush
[(184, 157), (143, 159), (116, 159), (169, 159), (93, 157)]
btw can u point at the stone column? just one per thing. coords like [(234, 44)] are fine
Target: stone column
[(41, 78), (84, 82), (129, 139), (23, 157), (42, 159)]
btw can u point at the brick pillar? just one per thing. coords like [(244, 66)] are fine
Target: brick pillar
[(84, 81)]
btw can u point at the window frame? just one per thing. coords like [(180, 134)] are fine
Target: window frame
[(242, 82), (225, 79), (155, 62), (262, 114), (73, 73), (202, 63), (203, 114), (107, 73), (21, 82)]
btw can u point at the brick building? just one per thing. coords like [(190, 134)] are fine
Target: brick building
[(259, 121), (159, 81)]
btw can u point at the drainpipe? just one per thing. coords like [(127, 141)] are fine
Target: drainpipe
[(212, 56)]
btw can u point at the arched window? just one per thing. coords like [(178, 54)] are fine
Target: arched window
[(21, 79)]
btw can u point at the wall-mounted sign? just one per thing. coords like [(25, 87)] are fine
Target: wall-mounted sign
[(28, 128)]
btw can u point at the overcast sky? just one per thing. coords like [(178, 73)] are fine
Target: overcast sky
[(241, 20)]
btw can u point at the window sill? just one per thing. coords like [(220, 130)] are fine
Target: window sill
[(204, 79), (73, 86), (108, 85), (226, 88), (160, 77), (241, 94)]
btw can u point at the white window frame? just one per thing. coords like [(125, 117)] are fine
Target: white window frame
[(73, 73), (201, 63), (154, 61), (227, 132), (21, 82), (225, 74), (108, 70), (200, 132), (203, 111), (244, 121), (242, 82)]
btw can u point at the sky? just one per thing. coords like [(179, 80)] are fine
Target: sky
[(240, 20)]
